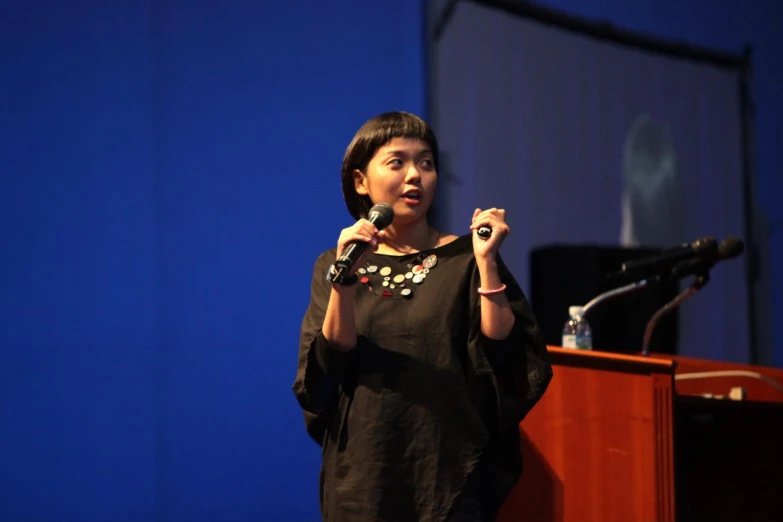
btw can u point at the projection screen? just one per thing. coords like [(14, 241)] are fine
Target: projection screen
[(590, 142)]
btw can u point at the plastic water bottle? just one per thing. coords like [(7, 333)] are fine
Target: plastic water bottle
[(576, 332)]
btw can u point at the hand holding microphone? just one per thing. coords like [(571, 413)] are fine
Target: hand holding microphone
[(353, 241)]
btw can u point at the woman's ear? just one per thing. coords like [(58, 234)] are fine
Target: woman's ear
[(360, 183)]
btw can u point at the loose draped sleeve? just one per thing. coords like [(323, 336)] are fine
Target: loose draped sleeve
[(321, 368), (519, 363), (509, 377)]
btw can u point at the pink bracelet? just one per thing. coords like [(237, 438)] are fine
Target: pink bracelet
[(481, 291)]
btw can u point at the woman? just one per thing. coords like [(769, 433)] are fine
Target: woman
[(415, 371)]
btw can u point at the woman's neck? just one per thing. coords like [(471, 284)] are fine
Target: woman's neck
[(400, 239)]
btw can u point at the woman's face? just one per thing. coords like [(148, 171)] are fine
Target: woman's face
[(402, 174)]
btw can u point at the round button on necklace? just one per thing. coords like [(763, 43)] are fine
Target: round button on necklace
[(399, 283)]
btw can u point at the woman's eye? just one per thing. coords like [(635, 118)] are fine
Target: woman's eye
[(427, 163), (395, 161)]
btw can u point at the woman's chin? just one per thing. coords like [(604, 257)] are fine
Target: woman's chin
[(409, 213)]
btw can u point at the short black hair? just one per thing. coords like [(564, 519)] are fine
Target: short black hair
[(373, 135)]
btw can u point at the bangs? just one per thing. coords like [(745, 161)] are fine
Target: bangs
[(397, 125), (380, 130)]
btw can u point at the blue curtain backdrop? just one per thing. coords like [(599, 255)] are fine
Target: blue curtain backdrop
[(170, 170), (168, 173)]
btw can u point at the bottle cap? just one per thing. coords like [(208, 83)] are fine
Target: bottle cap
[(576, 311)]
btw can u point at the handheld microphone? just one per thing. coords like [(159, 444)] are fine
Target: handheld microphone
[(729, 248), (705, 249), (380, 215)]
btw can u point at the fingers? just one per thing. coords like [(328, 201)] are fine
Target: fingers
[(363, 231), (366, 227), (488, 246), (349, 237), (493, 217), (371, 230)]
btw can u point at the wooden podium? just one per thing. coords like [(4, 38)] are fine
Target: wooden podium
[(634, 439)]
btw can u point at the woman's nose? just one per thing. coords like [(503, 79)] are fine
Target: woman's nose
[(412, 173)]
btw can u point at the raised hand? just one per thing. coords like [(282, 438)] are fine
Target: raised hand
[(495, 218)]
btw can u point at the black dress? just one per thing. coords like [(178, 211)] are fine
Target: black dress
[(425, 401)]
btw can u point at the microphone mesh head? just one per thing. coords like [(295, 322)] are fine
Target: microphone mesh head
[(730, 248), (381, 215)]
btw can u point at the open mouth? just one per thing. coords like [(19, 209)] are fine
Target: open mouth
[(412, 196)]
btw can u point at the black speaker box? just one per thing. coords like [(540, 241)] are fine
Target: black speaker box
[(568, 275)]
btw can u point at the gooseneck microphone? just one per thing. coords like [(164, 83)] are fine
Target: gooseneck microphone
[(729, 248), (380, 215), (703, 249)]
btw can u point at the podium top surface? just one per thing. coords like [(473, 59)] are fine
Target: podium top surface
[(610, 361), (694, 377)]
